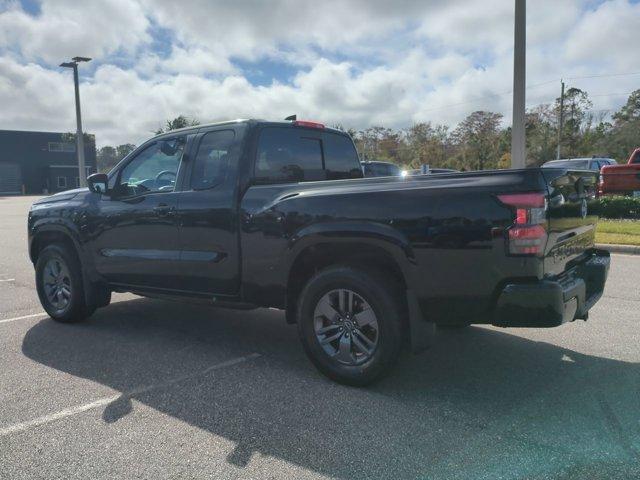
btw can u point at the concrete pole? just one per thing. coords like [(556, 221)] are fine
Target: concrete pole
[(518, 145), (82, 172)]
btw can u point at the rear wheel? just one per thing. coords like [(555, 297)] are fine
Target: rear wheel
[(59, 284), (349, 321)]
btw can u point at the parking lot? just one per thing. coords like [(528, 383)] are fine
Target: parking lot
[(155, 389)]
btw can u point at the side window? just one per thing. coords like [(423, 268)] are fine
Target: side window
[(212, 160), (154, 169), (288, 155), (380, 170), (340, 157)]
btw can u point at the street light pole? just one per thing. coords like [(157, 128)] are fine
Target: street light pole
[(561, 120), (518, 145), (82, 172)]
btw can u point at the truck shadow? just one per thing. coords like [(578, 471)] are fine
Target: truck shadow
[(480, 403)]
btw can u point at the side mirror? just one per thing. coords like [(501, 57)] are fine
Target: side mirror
[(98, 182)]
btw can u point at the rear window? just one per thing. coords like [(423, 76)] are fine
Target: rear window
[(288, 155), (302, 155)]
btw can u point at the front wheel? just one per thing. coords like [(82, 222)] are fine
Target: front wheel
[(350, 324), (59, 284)]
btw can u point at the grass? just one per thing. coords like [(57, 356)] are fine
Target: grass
[(621, 232)]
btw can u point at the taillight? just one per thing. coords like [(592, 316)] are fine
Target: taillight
[(306, 123), (601, 183), (527, 235)]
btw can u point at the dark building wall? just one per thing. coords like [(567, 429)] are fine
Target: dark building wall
[(40, 159)]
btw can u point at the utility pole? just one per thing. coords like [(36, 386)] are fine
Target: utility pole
[(82, 172), (518, 146), (561, 120)]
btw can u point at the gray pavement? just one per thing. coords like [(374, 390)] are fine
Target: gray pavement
[(153, 389)]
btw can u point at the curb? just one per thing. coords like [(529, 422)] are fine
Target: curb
[(628, 249)]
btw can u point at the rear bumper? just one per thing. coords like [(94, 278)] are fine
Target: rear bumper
[(552, 302)]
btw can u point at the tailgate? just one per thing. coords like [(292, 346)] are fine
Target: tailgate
[(621, 178), (571, 226)]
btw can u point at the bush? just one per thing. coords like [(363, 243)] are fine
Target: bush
[(618, 207)]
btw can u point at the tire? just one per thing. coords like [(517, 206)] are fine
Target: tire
[(58, 269), (336, 338)]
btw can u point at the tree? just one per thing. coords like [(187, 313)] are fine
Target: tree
[(478, 134), (576, 106), (180, 121), (124, 150), (542, 134), (479, 141), (630, 112), (427, 145), (88, 138), (107, 157)]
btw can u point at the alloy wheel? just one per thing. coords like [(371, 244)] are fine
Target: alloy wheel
[(56, 280), (346, 327)]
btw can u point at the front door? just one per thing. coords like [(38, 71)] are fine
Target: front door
[(136, 234)]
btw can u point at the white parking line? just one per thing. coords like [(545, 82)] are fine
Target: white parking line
[(68, 412), (8, 280), (7, 320)]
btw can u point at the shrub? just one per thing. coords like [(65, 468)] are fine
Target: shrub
[(618, 207)]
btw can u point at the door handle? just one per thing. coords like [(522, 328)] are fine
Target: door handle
[(163, 210)]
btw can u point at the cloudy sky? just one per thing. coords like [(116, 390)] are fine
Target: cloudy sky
[(355, 62)]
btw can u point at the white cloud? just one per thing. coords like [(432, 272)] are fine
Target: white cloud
[(608, 35), (194, 61), (355, 63), (68, 28)]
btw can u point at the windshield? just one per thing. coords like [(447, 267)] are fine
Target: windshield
[(578, 164)]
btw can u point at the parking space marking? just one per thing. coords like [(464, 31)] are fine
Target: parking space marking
[(103, 402), (8, 280), (33, 315)]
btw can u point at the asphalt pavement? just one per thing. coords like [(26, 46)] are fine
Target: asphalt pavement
[(155, 389)]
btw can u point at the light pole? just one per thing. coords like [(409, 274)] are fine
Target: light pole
[(82, 175), (518, 146)]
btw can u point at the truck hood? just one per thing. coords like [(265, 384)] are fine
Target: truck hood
[(62, 196)]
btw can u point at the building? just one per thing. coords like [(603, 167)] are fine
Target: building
[(39, 162)]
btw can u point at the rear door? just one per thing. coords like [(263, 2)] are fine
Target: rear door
[(207, 213), (572, 221)]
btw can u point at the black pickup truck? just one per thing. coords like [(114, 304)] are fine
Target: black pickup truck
[(252, 213)]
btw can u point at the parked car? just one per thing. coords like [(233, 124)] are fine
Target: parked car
[(252, 213), (622, 179), (594, 163), (381, 169)]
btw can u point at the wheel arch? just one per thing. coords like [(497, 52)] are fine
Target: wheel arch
[(46, 235), (381, 249), (50, 234)]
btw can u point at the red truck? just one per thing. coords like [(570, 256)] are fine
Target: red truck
[(622, 179)]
